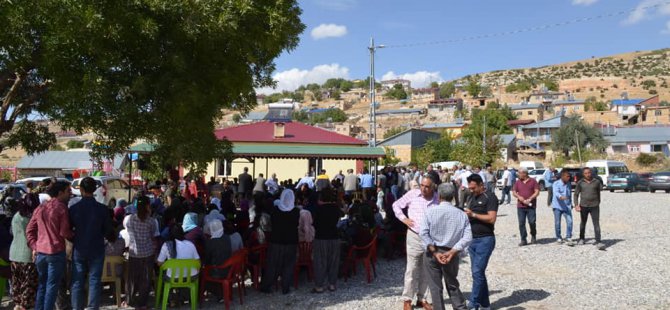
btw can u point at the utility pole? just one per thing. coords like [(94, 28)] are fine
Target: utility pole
[(484, 139), (579, 152), (373, 109)]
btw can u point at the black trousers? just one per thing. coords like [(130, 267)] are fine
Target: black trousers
[(595, 217), (281, 261), (436, 273), (550, 195), (523, 214)]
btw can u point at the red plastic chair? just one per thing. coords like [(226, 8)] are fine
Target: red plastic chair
[(259, 251), (235, 265), (304, 260), (367, 255)]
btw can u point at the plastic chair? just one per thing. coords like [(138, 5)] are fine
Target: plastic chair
[(112, 274), (367, 255), (235, 265), (3, 281), (259, 251), (304, 260), (180, 271)]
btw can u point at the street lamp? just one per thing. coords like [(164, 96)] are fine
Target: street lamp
[(373, 109)]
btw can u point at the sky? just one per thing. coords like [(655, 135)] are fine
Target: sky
[(334, 43)]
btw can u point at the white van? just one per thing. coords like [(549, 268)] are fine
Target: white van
[(605, 168), (531, 165)]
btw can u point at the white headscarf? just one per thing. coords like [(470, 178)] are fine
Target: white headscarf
[(214, 229), (286, 200)]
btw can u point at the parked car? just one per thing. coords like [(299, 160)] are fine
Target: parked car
[(538, 175), (576, 175), (34, 181), (660, 181), (628, 182), (110, 189), (605, 168), (530, 165)]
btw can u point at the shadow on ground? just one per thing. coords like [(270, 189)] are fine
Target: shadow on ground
[(519, 297)]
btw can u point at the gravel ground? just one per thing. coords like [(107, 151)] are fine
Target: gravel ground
[(632, 273)]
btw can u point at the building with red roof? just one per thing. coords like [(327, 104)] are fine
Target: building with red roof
[(290, 149)]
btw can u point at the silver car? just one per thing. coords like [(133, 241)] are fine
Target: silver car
[(110, 189)]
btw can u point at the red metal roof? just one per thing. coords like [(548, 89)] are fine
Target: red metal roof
[(294, 132)]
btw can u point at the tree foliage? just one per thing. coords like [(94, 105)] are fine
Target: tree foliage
[(74, 144), (447, 89), (329, 115), (574, 130), (397, 92), (393, 131), (161, 71), (592, 104), (389, 157), (473, 87)]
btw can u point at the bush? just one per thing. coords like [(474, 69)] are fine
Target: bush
[(646, 160)]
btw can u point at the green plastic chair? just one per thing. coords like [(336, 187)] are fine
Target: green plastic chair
[(180, 270), (3, 281)]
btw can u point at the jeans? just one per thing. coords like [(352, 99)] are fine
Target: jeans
[(395, 191), (80, 268), (50, 268), (522, 214), (506, 194), (595, 217), (557, 223), (480, 251)]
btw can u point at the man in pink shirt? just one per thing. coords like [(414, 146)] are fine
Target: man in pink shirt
[(416, 202), (46, 233)]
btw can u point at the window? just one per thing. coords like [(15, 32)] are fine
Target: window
[(519, 113), (657, 148), (634, 148), (225, 167), (658, 113), (530, 112), (113, 184)]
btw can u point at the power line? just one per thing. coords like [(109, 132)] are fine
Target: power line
[(530, 29)]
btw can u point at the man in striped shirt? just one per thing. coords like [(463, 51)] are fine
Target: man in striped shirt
[(416, 201), (445, 232)]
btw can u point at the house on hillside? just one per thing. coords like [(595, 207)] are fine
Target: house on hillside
[(516, 126), (544, 97), (602, 117), (404, 144), (528, 111), (629, 109), (400, 113), (635, 140), (445, 105), (568, 107), (655, 116), (432, 93), (388, 84), (456, 128), (540, 133)]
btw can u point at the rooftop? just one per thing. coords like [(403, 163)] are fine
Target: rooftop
[(554, 122), (566, 102), (640, 134), (525, 106), (443, 125), (627, 101), (294, 132), (399, 111)]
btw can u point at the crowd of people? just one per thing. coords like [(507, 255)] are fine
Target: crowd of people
[(57, 245)]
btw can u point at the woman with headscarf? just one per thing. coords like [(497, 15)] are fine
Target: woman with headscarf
[(283, 247), (191, 230), (213, 215), (217, 251), (24, 272)]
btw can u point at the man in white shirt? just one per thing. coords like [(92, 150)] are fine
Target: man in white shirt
[(507, 186)]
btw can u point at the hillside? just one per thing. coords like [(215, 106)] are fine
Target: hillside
[(640, 74)]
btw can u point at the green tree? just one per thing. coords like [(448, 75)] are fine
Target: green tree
[(300, 116), (447, 89), (346, 85), (440, 149), (397, 92), (330, 115), (74, 144), (434, 85), (336, 94), (393, 131), (473, 87), (551, 84), (592, 104), (389, 157), (573, 130), (161, 71)]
